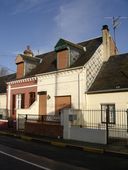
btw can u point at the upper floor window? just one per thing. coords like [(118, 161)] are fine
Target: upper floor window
[(108, 110)]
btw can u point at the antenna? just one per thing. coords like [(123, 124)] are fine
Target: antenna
[(115, 23)]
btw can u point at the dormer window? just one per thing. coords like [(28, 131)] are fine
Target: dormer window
[(63, 59), (67, 53)]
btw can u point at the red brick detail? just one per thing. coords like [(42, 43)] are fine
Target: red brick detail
[(26, 83), (20, 70), (44, 129), (63, 59), (24, 90)]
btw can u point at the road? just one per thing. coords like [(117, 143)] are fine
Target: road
[(19, 154)]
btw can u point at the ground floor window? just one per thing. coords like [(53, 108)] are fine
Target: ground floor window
[(32, 98), (20, 100), (108, 110)]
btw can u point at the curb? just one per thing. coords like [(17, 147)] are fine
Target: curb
[(119, 153), (62, 144), (40, 141), (10, 134), (25, 137), (93, 150)]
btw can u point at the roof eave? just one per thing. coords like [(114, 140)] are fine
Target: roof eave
[(108, 91)]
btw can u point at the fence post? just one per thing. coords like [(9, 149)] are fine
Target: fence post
[(127, 119), (107, 121), (26, 117)]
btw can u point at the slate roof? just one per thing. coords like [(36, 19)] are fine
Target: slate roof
[(113, 75), (49, 61), (5, 79)]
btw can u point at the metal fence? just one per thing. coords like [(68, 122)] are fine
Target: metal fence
[(115, 123)]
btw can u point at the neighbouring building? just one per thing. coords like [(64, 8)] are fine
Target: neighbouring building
[(109, 92), (3, 96)]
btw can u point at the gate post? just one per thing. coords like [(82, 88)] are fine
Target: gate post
[(107, 121)]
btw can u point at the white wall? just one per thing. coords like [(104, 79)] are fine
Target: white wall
[(81, 133), (120, 99), (32, 110), (63, 83), (88, 135)]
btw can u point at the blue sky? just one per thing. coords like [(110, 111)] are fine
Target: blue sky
[(40, 24)]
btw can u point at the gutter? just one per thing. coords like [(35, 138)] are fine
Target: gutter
[(108, 91), (59, 71)]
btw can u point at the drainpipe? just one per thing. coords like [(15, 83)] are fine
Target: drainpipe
[(8, 104), (79, 100)]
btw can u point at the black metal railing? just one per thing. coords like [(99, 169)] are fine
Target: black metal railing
[(115, 123)]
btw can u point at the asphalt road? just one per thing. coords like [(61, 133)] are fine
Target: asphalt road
[(19, 154)]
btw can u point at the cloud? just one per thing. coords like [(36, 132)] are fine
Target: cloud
[(78, 17)]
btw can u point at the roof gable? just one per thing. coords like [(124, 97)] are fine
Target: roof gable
[(63, 44)]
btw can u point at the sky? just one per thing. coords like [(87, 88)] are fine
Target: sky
[(41, 23)]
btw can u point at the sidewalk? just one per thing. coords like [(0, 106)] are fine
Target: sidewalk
[(120, 150)]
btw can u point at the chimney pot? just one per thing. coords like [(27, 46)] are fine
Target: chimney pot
[(105, 27)]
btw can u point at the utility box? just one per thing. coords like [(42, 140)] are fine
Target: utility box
[(72, 117)]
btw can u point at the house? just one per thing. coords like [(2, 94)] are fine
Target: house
[(109, 93), (47, 83), (3, 98), (72, 71), (110, 84)]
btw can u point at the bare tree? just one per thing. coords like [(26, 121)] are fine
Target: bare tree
[(3, 71)]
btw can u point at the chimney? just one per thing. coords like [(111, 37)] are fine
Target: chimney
[(20, 66), (106, 42)]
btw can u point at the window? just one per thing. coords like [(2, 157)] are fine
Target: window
[(32, 97), (13, 103), (110, 110), (20, 99)]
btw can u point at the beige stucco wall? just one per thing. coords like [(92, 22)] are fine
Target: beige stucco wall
[(120, 99), (2, 101)]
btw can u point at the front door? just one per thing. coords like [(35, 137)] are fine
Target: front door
[(62, 102), (42, 103)]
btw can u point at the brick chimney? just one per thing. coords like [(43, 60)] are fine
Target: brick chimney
[(20, 67), (106, 42), (109, 47)]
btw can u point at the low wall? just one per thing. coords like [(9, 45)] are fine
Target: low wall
[(44, 129), (88, 135), (3, 124)]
